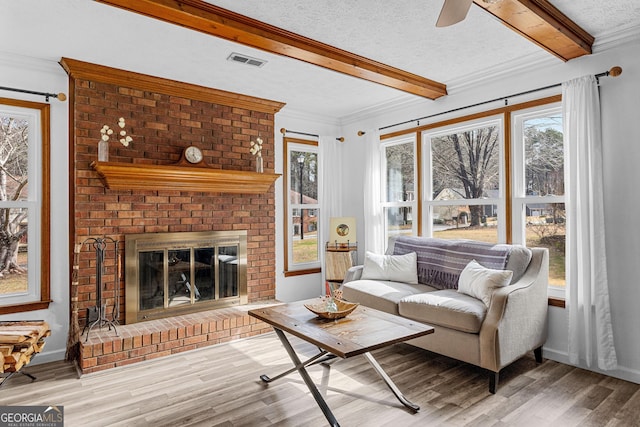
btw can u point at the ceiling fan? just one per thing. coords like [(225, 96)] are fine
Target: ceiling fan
[(454, 11)]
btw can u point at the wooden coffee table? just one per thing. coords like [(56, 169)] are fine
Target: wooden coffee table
[(363, 331)]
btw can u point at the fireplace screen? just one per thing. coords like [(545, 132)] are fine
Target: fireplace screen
[(173, 273)]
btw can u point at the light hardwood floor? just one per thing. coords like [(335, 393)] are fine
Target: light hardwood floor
[(220, 386)]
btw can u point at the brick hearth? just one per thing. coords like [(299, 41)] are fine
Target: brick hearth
[(163, 337)]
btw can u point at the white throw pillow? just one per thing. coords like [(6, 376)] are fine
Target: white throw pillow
[(396, 268), (480, 282)]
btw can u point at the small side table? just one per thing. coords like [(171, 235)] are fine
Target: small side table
[(338, 258)]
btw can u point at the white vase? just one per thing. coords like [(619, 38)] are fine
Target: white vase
[(259, 164), (103, 151)]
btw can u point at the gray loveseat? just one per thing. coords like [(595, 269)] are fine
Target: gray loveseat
[(511, 321)]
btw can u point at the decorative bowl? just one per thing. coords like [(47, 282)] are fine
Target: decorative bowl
[(344, 308)]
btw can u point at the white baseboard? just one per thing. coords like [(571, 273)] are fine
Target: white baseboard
[(48, 356), (622, 373)]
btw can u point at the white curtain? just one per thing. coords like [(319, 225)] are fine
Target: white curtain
[(373, 214), (590, 330), (330, 169)]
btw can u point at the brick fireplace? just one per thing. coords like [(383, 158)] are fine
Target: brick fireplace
[(163, 117)]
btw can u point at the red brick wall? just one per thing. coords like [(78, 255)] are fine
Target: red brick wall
[(161, 126)]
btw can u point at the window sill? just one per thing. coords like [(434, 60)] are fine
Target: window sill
[(292, 273), (28, 306), (557, 302)]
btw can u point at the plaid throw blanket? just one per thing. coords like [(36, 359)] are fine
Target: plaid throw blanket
[(440, 261)]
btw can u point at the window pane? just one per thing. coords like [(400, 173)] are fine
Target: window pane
[(13, 259), (454, 222), (399, 221), (304, 177), (400, 185), (546, 228), (305, 237), (544, 156), (14, 145), (466, 164)]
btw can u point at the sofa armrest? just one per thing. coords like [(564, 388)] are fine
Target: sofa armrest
[(516, 321), (353, 273)]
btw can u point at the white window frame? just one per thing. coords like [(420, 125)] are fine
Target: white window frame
[(34, 204), (428, 203), (413, 204), (310, 147), (519, 197)]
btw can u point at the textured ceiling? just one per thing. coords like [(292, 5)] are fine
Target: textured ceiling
[(401, 34)]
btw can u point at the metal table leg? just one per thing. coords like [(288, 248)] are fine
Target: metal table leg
[(300, 367), (390, 383), (321, 357)]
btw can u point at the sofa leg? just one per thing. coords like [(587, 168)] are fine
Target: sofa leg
[(538, 354), (493, 382)]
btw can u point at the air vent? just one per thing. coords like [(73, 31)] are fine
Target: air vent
[(244, 59)]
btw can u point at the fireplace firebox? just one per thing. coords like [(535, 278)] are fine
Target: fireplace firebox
[(168, 274)]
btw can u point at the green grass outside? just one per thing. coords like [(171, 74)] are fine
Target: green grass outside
[(15, 283), (306, 250)]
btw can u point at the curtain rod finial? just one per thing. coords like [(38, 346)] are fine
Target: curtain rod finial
[(61, 97), (615, 71), (361, 132), (341, 139), (283, 131)]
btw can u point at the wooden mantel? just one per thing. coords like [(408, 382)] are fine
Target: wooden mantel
[(132, 176)]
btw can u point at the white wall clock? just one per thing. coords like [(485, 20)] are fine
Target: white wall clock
[(193, 154)]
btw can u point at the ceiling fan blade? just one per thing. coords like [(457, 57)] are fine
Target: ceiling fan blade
[(453, 11)]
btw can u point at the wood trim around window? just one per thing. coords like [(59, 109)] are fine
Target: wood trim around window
[(45, 210), (285, 185)]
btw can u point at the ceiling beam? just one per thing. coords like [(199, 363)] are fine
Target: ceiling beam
[(204, 17), (543, 24)]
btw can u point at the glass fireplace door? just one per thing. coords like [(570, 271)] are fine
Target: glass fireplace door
[(176, 273), (175, 277)]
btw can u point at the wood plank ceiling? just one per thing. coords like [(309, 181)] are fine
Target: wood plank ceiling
[(537, 20)]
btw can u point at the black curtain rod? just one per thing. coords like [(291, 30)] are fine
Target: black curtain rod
[(613, 72), (283, 131), (61, 96)]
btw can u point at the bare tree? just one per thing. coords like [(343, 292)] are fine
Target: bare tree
[(400, 178), (309, 173), (13, 184), (467, 161), (544, 161)]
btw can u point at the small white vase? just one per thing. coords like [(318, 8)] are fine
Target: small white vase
[(103, 151), (259, 164)]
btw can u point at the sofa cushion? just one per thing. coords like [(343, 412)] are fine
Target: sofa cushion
[(397, 268), (379, 294), (519, 259), (447, 308), (480, 282)]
